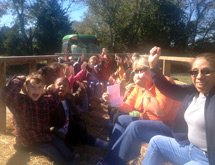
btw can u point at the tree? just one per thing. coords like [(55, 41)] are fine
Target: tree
[(122, 25), (108, 19), (163, 24), (3, 8), (107, 12), (173, 24), (28, 16), (200, 21), (20, 10), (52, 24), (129, 23), (3, 35), (13, 43)]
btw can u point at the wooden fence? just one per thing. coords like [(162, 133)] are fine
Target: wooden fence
[(32, 62)]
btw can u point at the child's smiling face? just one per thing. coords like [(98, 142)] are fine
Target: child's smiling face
[(62, 87), (35, 89)]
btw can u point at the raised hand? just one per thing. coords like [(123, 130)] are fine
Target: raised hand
[(50, 89), (21, 77), (106, 97), (154, 56), (84, 65)]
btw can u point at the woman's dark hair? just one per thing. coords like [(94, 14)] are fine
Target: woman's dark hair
[(210, 57)]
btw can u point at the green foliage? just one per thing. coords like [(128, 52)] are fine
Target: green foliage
[(11, 42), (52, 24), (3, 35), (183, 77), (125, 23), (200, 24), (38, 29), (162, 23), (121, 25)]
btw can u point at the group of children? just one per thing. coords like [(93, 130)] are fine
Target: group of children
[(47, 106)]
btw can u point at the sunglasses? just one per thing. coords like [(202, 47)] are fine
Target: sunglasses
[(204, 72), (142, 70)]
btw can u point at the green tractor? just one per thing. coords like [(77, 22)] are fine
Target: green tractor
[(77, 44)]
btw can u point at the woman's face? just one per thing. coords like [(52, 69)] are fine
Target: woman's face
[(202, 75), (142, 77)]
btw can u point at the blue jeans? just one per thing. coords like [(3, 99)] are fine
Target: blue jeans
[(128, 145), (56, 150), (164, 149), (119, 127)]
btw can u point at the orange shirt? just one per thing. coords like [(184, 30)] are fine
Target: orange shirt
[(166, 105)]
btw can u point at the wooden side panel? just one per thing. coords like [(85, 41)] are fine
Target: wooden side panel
[(2, 105)]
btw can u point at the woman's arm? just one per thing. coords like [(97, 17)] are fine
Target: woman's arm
[(124, 107), (174, 91)]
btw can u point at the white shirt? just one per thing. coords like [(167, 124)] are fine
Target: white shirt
[(195, 118)]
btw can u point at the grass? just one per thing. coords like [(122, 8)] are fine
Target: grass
[(184, 77)]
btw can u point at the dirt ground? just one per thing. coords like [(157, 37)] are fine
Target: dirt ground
[(96, 120)]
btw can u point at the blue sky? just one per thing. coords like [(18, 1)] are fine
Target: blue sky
[(76, 15), (6, 20)]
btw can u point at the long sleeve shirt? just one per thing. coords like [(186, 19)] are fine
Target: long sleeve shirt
[(78, 77), (167, 106), (185, 93), (32, 118)]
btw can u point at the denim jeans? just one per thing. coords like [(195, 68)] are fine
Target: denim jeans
[(128, 145), (164, 149), (56, 150), (119, 127)]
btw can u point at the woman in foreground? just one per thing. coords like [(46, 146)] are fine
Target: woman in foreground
[(193, 143)]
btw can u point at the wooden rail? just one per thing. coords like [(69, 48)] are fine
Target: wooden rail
[(32, 61), (167, 62)]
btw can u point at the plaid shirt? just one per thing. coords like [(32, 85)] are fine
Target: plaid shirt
[(32, 118)]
